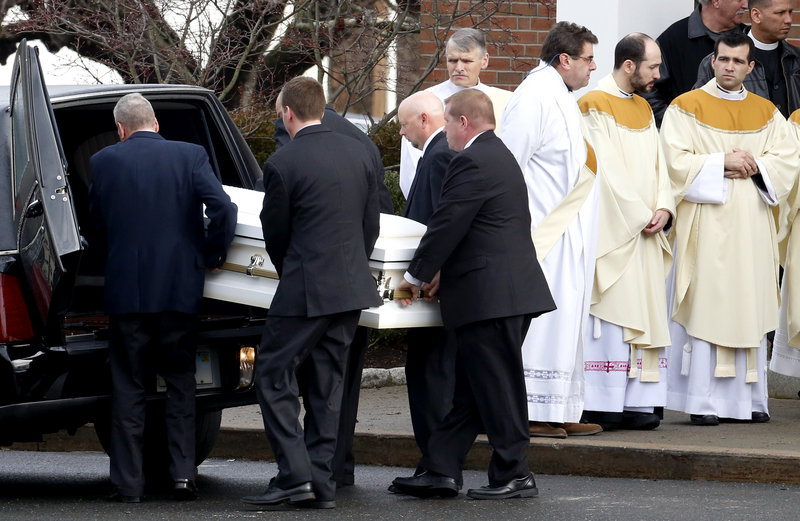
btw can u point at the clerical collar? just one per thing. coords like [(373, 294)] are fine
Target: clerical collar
[(730, 94), (624, 94), (761, 45)]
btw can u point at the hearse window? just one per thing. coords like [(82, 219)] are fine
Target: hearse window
[(19, 137)]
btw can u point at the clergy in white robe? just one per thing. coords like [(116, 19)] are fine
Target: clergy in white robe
[(731, 158), (466, 57), (542, 128), (627, 332), (786, 345)]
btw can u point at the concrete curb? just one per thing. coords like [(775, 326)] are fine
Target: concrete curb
[(639, 461)]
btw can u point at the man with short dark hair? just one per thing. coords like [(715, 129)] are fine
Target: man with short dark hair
[(146, 199), (731, 158), (320, 249), (478, 256), (685, 43), (627, 332), (542, 128), (776, 74)]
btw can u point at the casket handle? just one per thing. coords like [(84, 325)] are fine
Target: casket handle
[(256, 261)]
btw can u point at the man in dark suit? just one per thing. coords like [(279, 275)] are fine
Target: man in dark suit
[(479, 257), (146, 199), (320, 221), (430, 359), (343, 460)]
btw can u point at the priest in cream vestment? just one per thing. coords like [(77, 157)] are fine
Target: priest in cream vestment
[(542, 128), (731, 159), (786, 346), (466, 56), (625, 338)]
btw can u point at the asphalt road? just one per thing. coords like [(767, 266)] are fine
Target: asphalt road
[(72, 486)]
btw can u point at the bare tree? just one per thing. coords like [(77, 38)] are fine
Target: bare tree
[(245, 50)]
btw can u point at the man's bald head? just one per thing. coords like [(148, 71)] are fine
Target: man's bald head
[(420, 115)]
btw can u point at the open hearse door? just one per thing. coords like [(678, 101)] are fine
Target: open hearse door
[(48, 239)]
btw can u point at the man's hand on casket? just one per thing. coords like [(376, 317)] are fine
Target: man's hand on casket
[(431, 288), (407, 286)]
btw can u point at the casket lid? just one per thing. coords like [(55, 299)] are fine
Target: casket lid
[(399, 236)]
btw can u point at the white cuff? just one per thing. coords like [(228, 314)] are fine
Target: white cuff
[(709, 185), (769, 196), (412, 279)]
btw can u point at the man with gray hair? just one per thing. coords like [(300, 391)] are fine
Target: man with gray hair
[(466, 56), (146, 199)]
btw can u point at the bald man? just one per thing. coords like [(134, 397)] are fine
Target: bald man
[(430, 360), (421, 118)]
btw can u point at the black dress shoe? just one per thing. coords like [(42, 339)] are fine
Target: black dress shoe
[(315, 503), (520, 487), (275, 495), (118, 497), (760, 417), (184, 490), (426, 485), (704, 419), (639, 421)]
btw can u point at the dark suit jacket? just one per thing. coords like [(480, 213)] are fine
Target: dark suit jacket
[(425, 191), (146, 200), (480, 238), (332, 120), (320, 222)]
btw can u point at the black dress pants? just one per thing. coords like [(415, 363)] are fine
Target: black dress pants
[(321, 345), (142, 344), (430, 379), (490, 392)]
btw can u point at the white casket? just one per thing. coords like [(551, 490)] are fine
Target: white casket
[(248, 277)]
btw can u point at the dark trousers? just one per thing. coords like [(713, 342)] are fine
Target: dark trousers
[(343, 460), (142, 344), (430, 379), (321, 344), (489, 392)]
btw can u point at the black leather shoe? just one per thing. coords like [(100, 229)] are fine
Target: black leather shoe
[(639, 421), (184, 490), (426, 485), (117, 497), (760, 417), (704, 419), (520, 487), (315, 503), (275, 495)]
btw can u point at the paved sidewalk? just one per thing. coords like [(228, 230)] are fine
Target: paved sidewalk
[(767, 452)]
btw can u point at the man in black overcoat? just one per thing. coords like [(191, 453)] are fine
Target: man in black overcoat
[(478, 256), (146, 199), (320, 222)]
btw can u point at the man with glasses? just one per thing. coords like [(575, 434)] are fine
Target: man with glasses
[(542, 128)]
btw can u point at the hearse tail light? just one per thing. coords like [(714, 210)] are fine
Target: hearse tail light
[(15, 324), (247, 364)]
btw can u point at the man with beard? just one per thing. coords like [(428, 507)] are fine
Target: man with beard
[(627, 331)]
